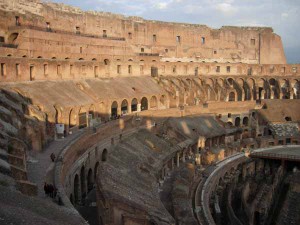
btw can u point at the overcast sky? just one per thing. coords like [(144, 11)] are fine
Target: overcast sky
[(282, 15)]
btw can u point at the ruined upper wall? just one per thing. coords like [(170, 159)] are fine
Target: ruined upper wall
[(168, 40)]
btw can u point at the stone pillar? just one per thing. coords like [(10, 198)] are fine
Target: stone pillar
[(177, 159), (139, 106)]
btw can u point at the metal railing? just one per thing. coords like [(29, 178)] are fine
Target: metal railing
[(148, 54)]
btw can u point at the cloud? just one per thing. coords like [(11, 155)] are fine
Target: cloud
[(226, 8)]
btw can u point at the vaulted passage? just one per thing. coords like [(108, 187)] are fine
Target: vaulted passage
[(144, 104), (114, 109)]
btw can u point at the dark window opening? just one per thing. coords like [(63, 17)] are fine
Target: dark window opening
[(142, 50), (218, 69), (118, 69), (2, 39), (17, 69), (166, 50), (31, 71), (96, 71), (3, 69), (288, 118), (215, 52), (154, 38), (48, 27), (104, 33), (77, 30), (229, 115), (18, 21), (178, 39), (129, 69), (174, 69), (202, 40), (249, 72), (45, 69), (129, 35), (196, 71), (228, 69), (154, 71)]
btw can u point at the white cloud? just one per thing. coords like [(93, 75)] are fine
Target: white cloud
[(226, 8), (161, 5)]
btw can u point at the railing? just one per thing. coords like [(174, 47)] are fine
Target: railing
[(66, 32), (4, 45), (275, 156), (148, 54)]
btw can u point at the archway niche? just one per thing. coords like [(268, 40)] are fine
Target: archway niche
[(72, 118), (144, 104), (124, 107), (153, 102), (82, 182), (134, 104), (76, 189), (90, 180), (245, 121), (114, 109), (162, 100), (82, 118), (104, 155), (231, 97), (237, 121)]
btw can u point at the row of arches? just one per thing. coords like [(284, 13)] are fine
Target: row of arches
[(84, 180), (84, 116), (230, 89)]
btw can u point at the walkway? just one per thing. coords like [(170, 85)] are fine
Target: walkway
[(40, 167)]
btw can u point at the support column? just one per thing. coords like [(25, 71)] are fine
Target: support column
[(139, 106), (177, 159)]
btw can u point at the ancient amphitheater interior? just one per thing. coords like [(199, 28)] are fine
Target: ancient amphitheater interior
[(113, 120)]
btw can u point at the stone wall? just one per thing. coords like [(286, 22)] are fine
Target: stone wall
[(47, 30)]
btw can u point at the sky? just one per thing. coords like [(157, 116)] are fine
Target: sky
[(282, 15)]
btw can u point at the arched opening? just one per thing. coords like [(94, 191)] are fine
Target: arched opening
[(104, 155), (153, 102), (12, 38), (245, 121), (231, 97), (82, 118), (144, 104), (288, 118), (154, 71), (82, 182), (134, 104), (296, 89), (72, 118), (76, 189), (92, 112), (237, 121), (162, 100), (96, 171), (124, 107), (106, 66), (90, 180), (114, 109)]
